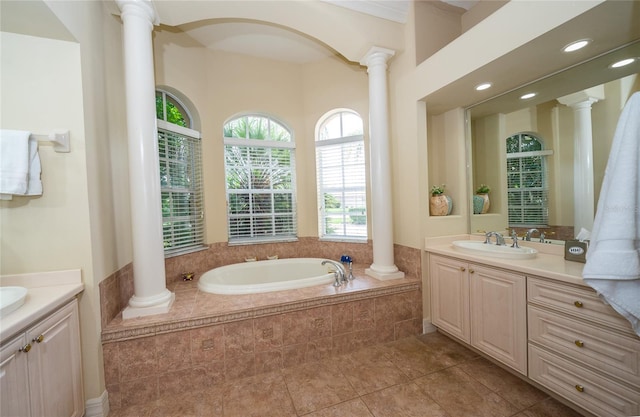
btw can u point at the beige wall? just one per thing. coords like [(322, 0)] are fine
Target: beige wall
[(222, 85), (83, 218), (47, 84)]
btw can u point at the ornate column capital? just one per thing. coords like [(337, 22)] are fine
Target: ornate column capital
[(377, 56), (584, 98), (140, 8)]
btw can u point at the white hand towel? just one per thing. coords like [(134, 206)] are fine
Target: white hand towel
[(19, 164), (613, 258)]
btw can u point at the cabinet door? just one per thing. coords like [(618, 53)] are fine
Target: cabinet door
[(450, 296), (498, 315), (14, 382), (55, 374)]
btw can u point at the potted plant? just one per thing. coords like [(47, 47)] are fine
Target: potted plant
[(440, 204), (481, 201)]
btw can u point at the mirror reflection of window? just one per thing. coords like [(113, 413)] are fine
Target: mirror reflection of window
[(527, 185)]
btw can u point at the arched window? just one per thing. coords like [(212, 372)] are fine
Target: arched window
[(180, 152), (259, 155), (527, 188), (341, 176)]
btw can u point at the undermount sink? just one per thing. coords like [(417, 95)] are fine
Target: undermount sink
[(491, 249), (11, 299)]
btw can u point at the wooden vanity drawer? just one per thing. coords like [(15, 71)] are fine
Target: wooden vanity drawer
[(597, 394), (580, 302), (608, 352)]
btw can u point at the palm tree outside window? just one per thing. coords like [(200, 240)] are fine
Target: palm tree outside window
[(259, 154)]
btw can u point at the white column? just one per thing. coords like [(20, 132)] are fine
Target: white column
[(383, 266), (151, 295), (583, 194)]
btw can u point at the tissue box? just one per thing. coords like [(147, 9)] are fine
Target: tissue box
[(575, 250)]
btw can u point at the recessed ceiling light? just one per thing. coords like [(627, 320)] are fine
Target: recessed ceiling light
[(574, 46), (527, 96), (483, 86), (623, 63)]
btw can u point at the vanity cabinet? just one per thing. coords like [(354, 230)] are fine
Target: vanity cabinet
[(483, 306), (582, 349), (40, 369)]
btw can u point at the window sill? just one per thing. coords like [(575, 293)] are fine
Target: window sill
[(185, 251)]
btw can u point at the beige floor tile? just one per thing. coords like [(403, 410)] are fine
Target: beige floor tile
[(262, 395), (549, 408), (447, 347), (370, 370), (202, 403), (353, 408), (513, 389), (411, 357), (406, 400), (317, 385), (462, 396)]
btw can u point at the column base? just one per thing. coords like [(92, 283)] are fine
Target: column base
[(161, 308), (384, 275)]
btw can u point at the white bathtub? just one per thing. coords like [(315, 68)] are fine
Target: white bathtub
[(265, 276)]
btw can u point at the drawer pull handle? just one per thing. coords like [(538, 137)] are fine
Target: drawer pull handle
[(462, 269), (26, 348), (38, 339), (471, 271), (579, 388), (578, 304), (579, 343)]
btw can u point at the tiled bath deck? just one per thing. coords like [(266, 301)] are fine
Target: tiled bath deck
[(416, 376), (208, 340)]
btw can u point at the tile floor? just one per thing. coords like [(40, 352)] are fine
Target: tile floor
[(421, 376)]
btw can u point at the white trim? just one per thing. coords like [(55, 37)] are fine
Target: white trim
[(172, 127), (544, 152), (259, 143), (428, 327), (97, 407), (396, 11)]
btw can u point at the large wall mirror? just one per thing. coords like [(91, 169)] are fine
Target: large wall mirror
[(531, 152)]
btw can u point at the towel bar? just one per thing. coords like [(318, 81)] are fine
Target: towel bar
[(59, 140)]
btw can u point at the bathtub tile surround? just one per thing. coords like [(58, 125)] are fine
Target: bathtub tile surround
[(117, 289), (215, 339), (369, 382)]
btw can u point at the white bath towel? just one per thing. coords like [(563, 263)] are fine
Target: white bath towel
[(613, 258), (19, 164)]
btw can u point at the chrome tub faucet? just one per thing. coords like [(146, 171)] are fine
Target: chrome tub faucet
[(340, 273)]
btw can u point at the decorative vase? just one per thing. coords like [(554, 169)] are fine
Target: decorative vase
[(481, 203), (440, 205)]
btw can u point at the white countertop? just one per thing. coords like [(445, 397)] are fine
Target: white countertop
[(46, 291), (548, 263)]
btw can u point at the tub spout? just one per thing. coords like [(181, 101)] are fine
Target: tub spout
[(340, 274)]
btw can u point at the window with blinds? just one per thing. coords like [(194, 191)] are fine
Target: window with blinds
[(260, 180), (527, 186), (341, 177), (181, 189), (180, 156)]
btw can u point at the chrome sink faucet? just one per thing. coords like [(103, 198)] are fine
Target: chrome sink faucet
[(514, 236), (340, 273), (499, 238), (527, 236)]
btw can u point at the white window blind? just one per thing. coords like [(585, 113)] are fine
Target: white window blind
[(341, 178), (527, 185), (181, 188), (260, 178)]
